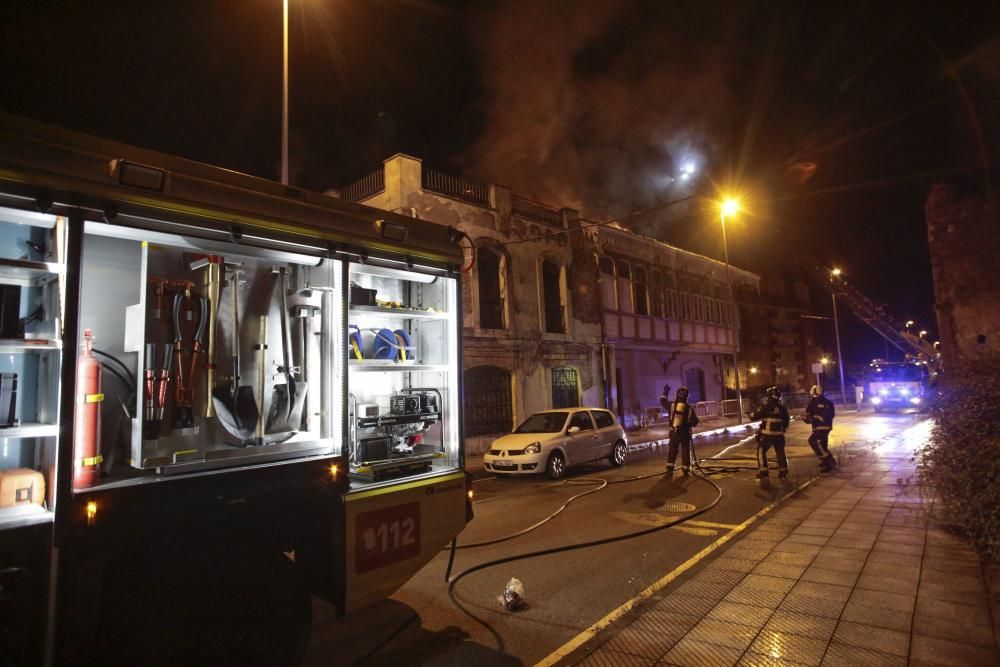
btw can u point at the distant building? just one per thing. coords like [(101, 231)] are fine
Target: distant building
[(963, 235), (779, 338), (559, 312)]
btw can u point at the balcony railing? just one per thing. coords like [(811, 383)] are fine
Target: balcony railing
[(453, 186), (369, 186), (536, 211)]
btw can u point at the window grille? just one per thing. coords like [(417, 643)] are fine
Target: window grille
[(565, 389), (488, 407)]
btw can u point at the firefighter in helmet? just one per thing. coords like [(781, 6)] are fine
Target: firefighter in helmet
[(819, 413), (774, 420), (682, 420)]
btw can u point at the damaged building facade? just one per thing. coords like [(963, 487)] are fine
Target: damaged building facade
[(559, 312)]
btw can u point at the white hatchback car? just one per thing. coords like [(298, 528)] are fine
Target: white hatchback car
[(551, 440)]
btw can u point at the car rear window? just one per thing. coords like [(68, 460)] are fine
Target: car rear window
[(603, 419), (543, 422)]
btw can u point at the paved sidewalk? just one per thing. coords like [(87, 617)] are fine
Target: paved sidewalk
[(849, 571)]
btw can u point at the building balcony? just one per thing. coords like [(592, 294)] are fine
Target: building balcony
[(622, 327)]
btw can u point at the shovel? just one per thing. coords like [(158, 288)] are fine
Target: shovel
[(235, 405), (286, 399)]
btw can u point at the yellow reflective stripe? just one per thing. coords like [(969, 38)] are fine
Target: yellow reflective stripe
[(89, 461), (93, 398), (402, 487), (357, 350)]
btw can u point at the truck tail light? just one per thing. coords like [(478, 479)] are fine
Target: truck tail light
[(469, 494)]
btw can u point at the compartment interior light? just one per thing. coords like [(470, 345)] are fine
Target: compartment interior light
[(386, 272)]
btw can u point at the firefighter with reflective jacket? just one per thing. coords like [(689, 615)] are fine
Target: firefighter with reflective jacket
[(820, 414), (682, 420), (774, 420)]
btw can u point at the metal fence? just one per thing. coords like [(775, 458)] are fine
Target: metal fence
[(453, 186), (536, 211), (708, 410), (370, 185)]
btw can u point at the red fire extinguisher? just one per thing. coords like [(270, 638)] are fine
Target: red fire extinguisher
[(87, 429)]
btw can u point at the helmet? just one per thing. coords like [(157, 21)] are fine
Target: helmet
[(774, 393), (816, 390), (682, 394)]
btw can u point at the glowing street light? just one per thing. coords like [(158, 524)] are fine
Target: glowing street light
[(824, 360), (909, 323), (835, 273), (923, 332), (730, 206)]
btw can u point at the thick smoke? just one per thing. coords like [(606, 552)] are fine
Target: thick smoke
[(599, 105)]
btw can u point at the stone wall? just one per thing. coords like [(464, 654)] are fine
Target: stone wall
[(964, 239)]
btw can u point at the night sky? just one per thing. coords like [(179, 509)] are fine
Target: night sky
[(832, 118)]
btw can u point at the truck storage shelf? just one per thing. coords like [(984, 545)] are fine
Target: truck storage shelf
[(385, 366), (387, 468), (401, 313), (25, 273), (390, 420), (30, 430), (20, 516), (16, 345)]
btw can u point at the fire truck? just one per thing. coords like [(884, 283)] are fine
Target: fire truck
[(219, 397), (897, 385)]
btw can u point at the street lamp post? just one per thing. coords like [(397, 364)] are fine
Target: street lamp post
[(840, 357), (284, 96), (731, 206)]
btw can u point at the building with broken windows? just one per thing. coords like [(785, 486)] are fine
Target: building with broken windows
[(559, 311)]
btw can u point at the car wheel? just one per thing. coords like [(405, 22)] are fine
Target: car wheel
[(555, 468), (618, 454)]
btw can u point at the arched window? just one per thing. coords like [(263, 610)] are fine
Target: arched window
[(555, 315), (491, 289), (694, 380), (640, 291), (487, 402), (565, 388), (656, 292)]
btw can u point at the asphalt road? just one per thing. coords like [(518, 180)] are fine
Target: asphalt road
[(567, 592)]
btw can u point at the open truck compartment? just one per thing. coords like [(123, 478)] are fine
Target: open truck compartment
[(204, 373)]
